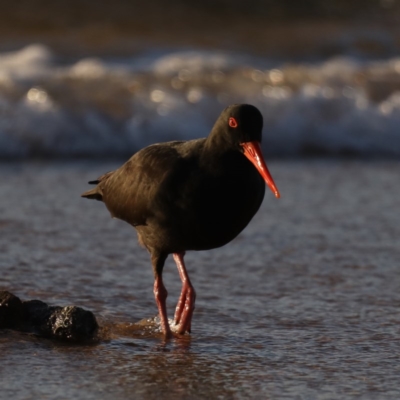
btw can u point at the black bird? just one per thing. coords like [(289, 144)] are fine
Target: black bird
[(190, 195)]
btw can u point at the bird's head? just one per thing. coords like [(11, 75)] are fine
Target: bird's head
[(240, 126)]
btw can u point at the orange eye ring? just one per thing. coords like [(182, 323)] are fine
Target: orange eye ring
[(233, 123)]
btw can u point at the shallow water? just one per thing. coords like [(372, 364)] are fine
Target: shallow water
[(303, 304)]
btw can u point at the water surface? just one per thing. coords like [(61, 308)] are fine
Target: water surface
[(304, 304)]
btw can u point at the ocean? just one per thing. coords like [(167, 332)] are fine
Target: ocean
[(110, 107)]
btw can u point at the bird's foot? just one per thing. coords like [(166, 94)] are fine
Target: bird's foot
[(179, 329), (183, 325)]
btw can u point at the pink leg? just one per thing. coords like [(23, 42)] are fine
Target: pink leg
[(181, 302), (185, 307), (160, 293)]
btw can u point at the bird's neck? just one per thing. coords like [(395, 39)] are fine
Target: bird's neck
[(218, 141), (218, 153)]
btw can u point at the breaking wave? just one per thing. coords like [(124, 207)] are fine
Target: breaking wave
[(112, 107)]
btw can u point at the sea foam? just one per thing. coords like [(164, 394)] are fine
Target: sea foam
[(97, 107)]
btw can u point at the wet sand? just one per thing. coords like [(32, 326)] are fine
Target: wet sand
[(303, 304)]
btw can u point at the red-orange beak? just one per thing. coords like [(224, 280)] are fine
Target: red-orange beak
[(252, 151)]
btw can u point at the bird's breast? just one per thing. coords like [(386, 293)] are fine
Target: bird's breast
[(217, 207)]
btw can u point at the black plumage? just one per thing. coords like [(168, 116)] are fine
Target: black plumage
[(189, 195)]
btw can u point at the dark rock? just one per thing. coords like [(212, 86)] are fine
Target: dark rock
[(36, 315), (10, 310), (73, 323), (65, 323)]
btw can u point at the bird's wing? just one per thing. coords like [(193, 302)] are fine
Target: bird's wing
[(132, 192)]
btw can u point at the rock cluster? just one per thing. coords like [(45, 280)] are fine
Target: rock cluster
[(65, 323)]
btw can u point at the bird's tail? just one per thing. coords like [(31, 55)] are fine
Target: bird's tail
[(96, 193)]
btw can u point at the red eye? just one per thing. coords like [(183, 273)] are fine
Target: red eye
[(233, 123)]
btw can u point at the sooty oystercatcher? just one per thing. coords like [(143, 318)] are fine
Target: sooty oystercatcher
[(190, 195)]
